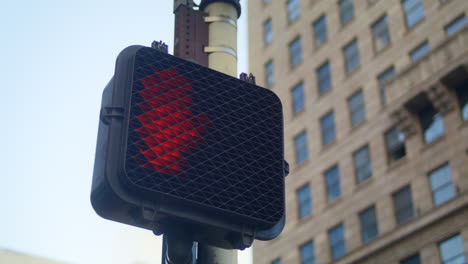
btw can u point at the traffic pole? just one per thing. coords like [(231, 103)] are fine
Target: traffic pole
[(222, 18)]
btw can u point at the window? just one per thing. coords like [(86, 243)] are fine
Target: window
[(381, 33), (411, 260), (395, 144), (420, 51), (293, 10), (337, 242), (320, 30), (383, 79), (346, 11), (403, 205), (276, 261), (324, 77), (441, 184), (269, 73), (351, 54), (267, 2), (267, 31), (414, 11), (304, 202), (362, 164), (298, 98), (357, 108), (451, 250), (300, 143), (455, 25), (307, 253), (462, 94), (295, 52), (432, 123), (327, 124), (369, 229), (332, 180)]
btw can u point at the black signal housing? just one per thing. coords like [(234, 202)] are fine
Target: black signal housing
[(181, 145)]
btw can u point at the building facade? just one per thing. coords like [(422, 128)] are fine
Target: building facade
[(375, 99), (14, 257)]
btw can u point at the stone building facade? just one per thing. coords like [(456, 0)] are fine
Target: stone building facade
[(375, 99)]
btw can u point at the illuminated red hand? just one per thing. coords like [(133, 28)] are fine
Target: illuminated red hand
[(169, 128)]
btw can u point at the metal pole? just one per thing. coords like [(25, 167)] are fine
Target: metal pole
[(222, 56), (222, 35)]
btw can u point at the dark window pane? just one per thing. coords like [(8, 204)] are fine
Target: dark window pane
[(267, 30), (304, 201), (298, 98), (276, 261), (327, 124), (357, 108), (295, 52), (432, 123), (269, 74), (351, 54), (462, 94), (300, 143), (403, 205), (420, 51), (293, 10), (337, 242), (441, 184), (324, 77), (414, 11), (346, 11), (381, 33), (456, 25), (320, 30), (332, 179), (411, 260), (451, 250), (362, 164), (369, 229), (395, 144), (307, 253), (383, 79)]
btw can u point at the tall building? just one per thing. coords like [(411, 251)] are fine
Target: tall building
[(375, 98)]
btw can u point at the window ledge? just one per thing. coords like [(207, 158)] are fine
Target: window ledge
[(464, 124), (358, 126), (304, 220), (322, 95), (409, 30), (432, 143), (383, 50), (363, 184), (344, 26), (352, 73), (319, 47), (299, 166), (329, 145), (298, 114), (397, 163), (331, 204)]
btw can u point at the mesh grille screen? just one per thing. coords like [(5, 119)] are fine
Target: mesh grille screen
[(206, 137)]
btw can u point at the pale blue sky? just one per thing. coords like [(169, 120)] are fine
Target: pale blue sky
[(56, 57)]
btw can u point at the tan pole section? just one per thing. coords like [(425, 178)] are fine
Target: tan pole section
[(222, 37), (222, 56)]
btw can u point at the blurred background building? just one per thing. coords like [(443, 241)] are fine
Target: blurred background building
[(13, 257), (375, 100)]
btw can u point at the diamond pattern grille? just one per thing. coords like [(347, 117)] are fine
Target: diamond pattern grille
[(205, 137)]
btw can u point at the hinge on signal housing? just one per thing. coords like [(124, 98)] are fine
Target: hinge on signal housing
[(109, 112)]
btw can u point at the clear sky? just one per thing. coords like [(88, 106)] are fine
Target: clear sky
[(56, 57)]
